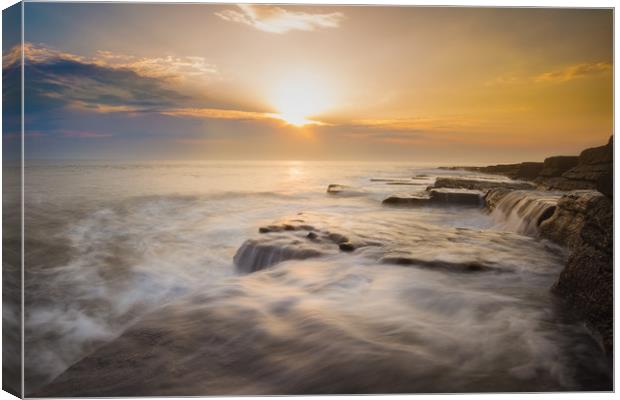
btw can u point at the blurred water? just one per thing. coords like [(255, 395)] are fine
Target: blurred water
[(116, 249)]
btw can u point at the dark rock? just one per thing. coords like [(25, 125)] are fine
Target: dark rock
[(311, 235), (557, 165), (529, 170), (509, 170), (343, 190), (466, 266), (337, 238), (583, 222), (439, 197), (406, 201), (605, 182), (593, 171), (573, 210), (334, 188), (473, 184), (346, 246), (461, 197)]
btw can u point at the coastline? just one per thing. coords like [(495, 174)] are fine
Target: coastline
[(581, 221)]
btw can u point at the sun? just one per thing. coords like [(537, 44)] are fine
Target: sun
[(299, 98)]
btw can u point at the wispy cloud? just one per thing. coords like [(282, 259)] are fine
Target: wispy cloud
[(159, 67), (85, 134), (275, 19), (214, 113), (576, 71), (559, 75), (417, 124)]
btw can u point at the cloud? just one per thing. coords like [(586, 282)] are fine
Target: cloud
[(160, 67), (418, 124), (564, 74), (214, 113), (576, 71), (275, 19), (105, 83), (85, 134)]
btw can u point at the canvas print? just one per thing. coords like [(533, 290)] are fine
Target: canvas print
[(289, 199)]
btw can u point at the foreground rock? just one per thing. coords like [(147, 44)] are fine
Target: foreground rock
[(583, 222), (439, 197), (292, 240)]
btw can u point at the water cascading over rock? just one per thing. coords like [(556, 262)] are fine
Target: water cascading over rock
[(521, 211)]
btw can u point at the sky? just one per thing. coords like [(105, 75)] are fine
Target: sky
[(291, 82)]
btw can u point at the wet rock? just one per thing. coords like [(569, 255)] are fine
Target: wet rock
[(291, 240), (573, 211), (346, 246), (473, 184), (343, 190), (334, 188), (337, 238), (583, 222), (587, 284), (439, 197), (257, 254), (407, 201), (465, 266), (494, 196), (460, 197)]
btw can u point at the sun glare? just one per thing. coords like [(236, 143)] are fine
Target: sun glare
[(297, 100)]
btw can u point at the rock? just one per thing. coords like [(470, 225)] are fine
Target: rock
[(605, 183), (573, 210), (290, 240), (407, 201), (593, 171), (466, 266), (473, 184), (583, 222), (509, 170), (343, 190), (494, 196), (529, 170), (456, 197), (335, 188), (346, 246), (557, 165), (257, 254), (439, 197)]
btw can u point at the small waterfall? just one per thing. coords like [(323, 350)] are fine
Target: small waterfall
[(523, 211), (255, 255)]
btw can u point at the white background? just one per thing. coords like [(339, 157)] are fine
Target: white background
[(484, 3)]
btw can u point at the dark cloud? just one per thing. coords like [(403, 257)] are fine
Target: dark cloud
[(57, 82)]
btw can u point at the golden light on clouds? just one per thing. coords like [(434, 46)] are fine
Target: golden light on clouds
[(275, 19)]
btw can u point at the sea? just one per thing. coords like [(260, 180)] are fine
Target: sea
[(155, 278)]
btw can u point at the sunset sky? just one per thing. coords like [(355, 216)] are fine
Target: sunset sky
[(444, 85)]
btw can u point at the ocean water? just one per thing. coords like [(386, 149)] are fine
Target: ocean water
[(155, 275)]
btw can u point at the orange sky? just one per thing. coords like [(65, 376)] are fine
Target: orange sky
[(294, 82)]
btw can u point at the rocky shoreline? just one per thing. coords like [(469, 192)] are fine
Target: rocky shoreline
[(581, 221)]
